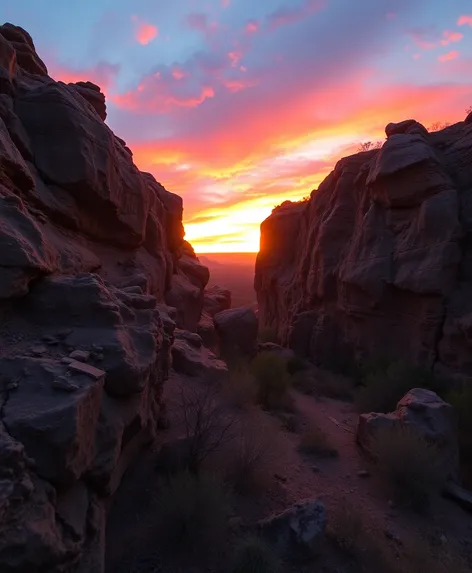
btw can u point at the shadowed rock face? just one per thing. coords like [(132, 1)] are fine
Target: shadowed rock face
[(378, 261), (90, 250)]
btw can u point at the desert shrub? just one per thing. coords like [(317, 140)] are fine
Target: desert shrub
[(408, 464), (250, 466), (208, 426), (272, 381), (253, 555), (239, 385), (192, 512), (349, 530), (297, 364), (268, 335), (385, 383), (315, 441), (461, 399)]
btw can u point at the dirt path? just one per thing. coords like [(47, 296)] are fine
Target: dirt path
[(132, 539)]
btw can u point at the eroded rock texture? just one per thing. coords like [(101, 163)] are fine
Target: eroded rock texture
[(378, 261), (91, 249)]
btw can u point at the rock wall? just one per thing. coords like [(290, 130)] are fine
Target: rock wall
[(378, 262), (91, 250)]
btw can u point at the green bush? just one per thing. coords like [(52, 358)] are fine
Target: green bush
[(192, 512), (253, 555), (461, 400), (268, 335), (272, 381), (409, 465), (383, 384)]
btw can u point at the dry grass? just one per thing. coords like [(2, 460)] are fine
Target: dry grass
[(253, 555), (192, 513), (239, 386), (408, 464), (272, 381), (249, 468), (315, 442)]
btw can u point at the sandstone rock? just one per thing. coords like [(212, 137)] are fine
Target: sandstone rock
[(237, 330), (207, 332), (216, 299), (93, 248), (298, 531), (428, 416), (191, 338), (406, 126), (57, 429), (377, 261), (468, 119), (92, 93), (195, 361)]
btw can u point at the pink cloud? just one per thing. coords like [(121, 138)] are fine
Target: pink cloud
[(235, 57), (449, 56), (465, 20), (199, 21), (450, 37), (144, 32), (252, 26), (178, 73), (225, 3), (289, 14), (102, 74)]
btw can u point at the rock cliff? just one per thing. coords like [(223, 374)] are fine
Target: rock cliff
[(91, 251), (378, 262)]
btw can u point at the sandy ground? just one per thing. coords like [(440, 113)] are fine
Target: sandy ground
[(132, 539)]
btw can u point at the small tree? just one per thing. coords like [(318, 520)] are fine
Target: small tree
[(468, 110), (208, 427), (438, 125)]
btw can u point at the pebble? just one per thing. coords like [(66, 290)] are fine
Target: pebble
[(39, 350), (51, 340), (80, 355), (315, 469), (66, 360), (363, 473)]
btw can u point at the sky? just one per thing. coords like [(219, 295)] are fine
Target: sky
[(238, 105)]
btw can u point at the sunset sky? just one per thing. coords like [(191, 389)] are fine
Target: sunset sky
[(237, 105)]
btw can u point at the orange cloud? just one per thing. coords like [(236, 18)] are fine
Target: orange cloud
[(144, 32), (449, 56), (163, 102), (247, 167), (464, 20)]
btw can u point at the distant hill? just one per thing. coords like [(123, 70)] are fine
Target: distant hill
[(235, 272)]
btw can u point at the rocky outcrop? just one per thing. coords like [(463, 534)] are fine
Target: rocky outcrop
[(90, 251), (237, 331), (191, 358), (428, 417), (215, 300), (377, 262)]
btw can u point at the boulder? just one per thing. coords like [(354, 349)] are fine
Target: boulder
[(94, 96), (237, 331), (216, 299), (406, 126), (299, 531), (207, 331), (428, 416), (195, 360)]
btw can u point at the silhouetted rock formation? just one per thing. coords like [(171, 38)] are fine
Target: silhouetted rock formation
[(378, 261), (90, 251)]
